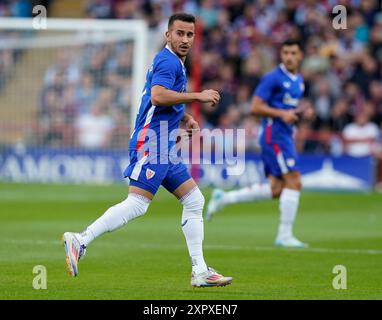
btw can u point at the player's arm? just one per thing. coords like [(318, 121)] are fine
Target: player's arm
[(161, 96), (186, 117), (192, 126), (262, 109), (268, 85)]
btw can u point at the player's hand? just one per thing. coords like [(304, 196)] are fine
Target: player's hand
[(289, 116), (192, 126), (209, 96)]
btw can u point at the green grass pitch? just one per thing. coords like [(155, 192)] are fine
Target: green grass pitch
[(148, 259)]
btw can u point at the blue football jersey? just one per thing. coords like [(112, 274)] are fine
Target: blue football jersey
[(167, 70), (282, 90)]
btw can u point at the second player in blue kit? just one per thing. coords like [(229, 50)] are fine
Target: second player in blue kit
[(282, 90), (276, 100)]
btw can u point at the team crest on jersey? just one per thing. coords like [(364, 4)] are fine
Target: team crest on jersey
[(149, 174), (291, 162), (286, 84)]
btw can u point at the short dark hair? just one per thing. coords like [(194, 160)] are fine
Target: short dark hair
[(182, 17), (292, 42)]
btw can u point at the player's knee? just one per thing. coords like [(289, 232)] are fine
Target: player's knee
[(293, 180), (276, 188), (294, 184), (132, 207), (193, 203), (276, 191), (135, 206)]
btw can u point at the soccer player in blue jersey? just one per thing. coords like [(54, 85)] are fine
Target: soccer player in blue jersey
[(276, 100), (151, 160)]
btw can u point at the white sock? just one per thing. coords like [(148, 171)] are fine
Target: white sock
[(116, 216), (253, 193), (289, 201), (193, 229)]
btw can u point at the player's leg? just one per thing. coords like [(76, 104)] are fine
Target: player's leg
[(179, 183), (280, 163), (256, 192), (288, 205), (277, 184), (135, 205), (141, 191), (220, 199)]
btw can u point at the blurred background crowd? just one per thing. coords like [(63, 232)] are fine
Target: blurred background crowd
[(240, 42)]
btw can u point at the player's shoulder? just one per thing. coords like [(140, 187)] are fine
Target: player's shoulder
[(166, 59), (272, 75), (273, 72), (300, 77)]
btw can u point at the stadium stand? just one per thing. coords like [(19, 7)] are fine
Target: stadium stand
[(342, 68)]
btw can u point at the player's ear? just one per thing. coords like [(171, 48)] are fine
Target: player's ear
[(167, 35)]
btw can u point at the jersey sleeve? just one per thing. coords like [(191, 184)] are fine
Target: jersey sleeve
[(164, 73), (266, 87)]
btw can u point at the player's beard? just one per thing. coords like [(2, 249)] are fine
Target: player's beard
[(183, 53), (291, 67)]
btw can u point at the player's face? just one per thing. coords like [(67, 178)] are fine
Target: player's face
[(291, 57), (180, 37)]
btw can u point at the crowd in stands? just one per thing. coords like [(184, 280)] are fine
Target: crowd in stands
[(86, 97), (240, 41), (342, 68), (16, 8), (8, 57)]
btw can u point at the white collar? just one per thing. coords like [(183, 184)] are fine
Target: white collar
[(290, 75), (169, 49)]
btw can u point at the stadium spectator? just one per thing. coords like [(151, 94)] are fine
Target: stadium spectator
[(63, 66), (339, 115), (361, 136), (251, 126), (208, 13), (21, 8), (323, 99), (86, 93), (56, 115), (126, 9), (98, 9), (8, 57), (243, 98), (7, 60), (366, 70), (16, 8), (375, 94), (94, 129)]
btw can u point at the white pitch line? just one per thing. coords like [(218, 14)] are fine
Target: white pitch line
[(217, 247), (314, 250)]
